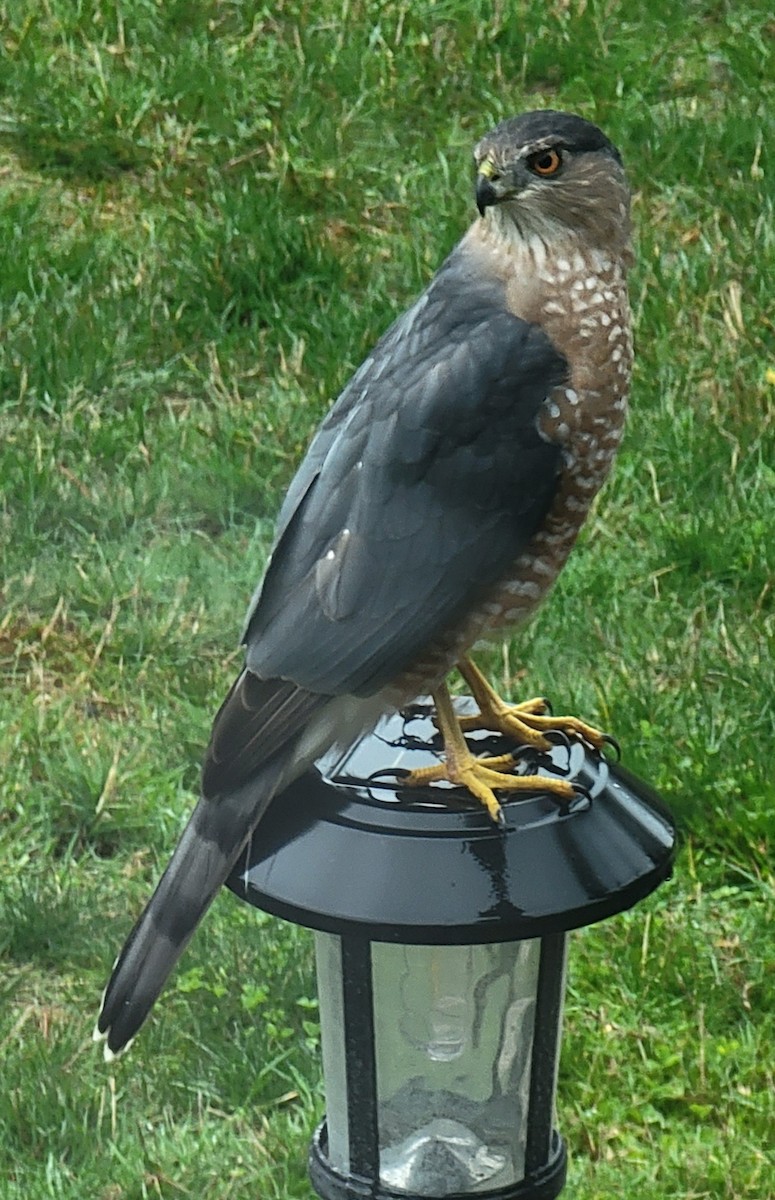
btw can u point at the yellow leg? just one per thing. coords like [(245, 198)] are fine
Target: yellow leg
[(527, 722), (482, 776)]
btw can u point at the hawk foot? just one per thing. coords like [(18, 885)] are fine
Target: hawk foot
[(528, 723), (538, 731), (483, 776)]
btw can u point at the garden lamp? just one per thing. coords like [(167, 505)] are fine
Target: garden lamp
[(441, 948)]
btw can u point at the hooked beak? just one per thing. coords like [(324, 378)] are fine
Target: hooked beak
[(486, 193)]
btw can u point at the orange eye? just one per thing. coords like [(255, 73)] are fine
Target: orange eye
[(546, 162)]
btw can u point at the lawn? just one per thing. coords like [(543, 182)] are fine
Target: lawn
[(209, 210)]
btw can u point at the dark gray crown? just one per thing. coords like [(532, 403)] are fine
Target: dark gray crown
[(562, 128)]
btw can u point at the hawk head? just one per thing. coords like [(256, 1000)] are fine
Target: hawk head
[(550, 174)]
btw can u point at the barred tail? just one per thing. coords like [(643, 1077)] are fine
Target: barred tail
[(211, 843)]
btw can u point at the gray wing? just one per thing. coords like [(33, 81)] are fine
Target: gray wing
[(424, 483)]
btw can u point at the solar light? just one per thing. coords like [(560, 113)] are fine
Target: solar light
[(441, 949)]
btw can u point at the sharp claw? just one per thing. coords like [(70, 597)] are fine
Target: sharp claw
[(608, 740), (581, 793), (388, 773)]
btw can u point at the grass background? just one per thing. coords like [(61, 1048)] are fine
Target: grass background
[(210, 210)]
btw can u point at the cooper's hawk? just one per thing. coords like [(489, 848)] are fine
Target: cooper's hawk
[(438, 501)]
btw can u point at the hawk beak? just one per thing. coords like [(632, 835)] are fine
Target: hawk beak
[(486, 194)]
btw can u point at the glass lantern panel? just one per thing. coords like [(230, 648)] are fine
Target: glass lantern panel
[(454, 1037), (328, 955)]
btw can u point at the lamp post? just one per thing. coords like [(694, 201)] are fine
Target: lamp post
[(441, 947)]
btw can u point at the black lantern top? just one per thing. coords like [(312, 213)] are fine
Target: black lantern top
[(346, 850)]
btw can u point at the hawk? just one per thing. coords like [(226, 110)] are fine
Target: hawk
[(437, 503)]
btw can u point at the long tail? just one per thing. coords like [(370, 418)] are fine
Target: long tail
[(210, 845), (266, 734)]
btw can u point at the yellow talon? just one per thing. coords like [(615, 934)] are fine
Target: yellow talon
[(481, 776), (516, 713), (525, 723)]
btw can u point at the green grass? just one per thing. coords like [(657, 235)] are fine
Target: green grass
[(209, 212)]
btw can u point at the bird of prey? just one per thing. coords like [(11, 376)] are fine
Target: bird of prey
[(437, 502)]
